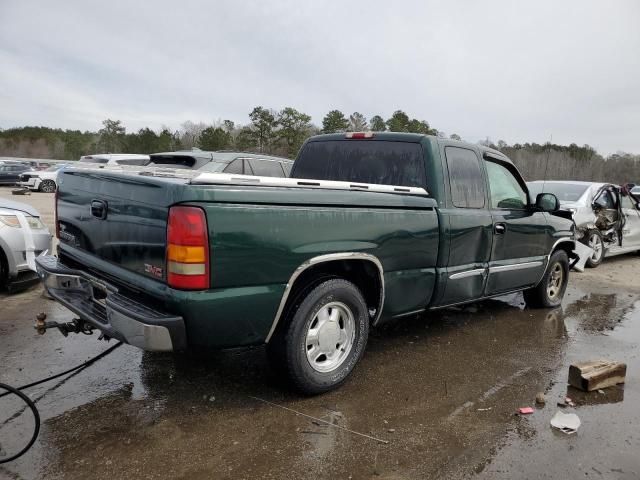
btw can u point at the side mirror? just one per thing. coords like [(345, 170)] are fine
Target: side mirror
[(547, 202)]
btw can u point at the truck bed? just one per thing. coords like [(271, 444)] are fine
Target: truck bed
[(260, 231)]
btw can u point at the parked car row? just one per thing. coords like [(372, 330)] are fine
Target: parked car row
[(238, 163), (607, 217)]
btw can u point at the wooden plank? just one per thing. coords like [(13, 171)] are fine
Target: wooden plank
[(596, 374)]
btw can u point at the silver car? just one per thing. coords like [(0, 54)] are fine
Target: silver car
[(607, 219), (23, 237)]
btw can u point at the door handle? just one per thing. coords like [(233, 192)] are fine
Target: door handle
[(500, 228), (99, 209)]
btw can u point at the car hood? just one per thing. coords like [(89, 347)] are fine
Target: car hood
[(21, 207)]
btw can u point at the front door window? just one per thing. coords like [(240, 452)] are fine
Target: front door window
[(506, 192)]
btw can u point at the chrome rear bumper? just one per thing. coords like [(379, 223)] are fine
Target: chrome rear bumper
[(100, 304)]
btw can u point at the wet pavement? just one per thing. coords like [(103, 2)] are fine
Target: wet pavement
[(440, 389)]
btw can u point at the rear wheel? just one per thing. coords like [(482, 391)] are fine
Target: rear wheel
[(323, 338), (550, 291), (593, 240), (47, 186)]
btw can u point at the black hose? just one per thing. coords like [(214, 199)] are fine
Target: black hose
[(36, 417), (77, 367), (31, 404)]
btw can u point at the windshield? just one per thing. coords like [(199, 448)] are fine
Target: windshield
[(566, 192)]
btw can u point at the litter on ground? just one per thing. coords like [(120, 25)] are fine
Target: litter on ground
[(566, 422)]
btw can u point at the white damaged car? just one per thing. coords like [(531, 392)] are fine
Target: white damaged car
[(607, 218)]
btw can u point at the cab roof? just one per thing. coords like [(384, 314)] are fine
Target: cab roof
[(414, 138)]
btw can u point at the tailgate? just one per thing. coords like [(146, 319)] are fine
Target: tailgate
[(117, 218)]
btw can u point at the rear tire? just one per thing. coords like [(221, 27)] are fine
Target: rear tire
[(47, 186), (550, 291), (323, 337), (593, 239)]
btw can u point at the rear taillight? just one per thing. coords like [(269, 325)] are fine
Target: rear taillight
[(55, 214), (187, 249), (355, 135)]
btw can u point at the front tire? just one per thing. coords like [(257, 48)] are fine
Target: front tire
[(594, 240), (323, 337), (47, 186), (550, 291)]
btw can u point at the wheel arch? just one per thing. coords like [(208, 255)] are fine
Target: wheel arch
[(567, 244), (359, 268)]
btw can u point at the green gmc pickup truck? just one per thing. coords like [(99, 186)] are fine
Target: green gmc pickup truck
[(370, 227)]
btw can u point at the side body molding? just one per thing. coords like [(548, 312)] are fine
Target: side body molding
[(322, 259)]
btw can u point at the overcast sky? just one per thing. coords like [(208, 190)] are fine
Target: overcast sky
[(497, 69)]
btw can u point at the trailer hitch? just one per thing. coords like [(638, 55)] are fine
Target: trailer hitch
[(74, 326)]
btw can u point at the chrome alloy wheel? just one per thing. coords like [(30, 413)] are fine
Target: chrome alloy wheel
[(330, 337), (595, 242), (556, 278)]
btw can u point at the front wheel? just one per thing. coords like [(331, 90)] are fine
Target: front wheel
[(594, 241), (550, 291), (323, 338), (48, 186)]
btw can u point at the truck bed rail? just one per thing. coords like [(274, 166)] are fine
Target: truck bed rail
[(230, 179)]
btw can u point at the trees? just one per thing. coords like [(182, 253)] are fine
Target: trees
[(399, 122), (357, 123), (112, 136), (191, 133), (214, 138), (376, 124), (263, 122), (420, 126), (455, 136), (245, 139), (293, 128), (334, 122)]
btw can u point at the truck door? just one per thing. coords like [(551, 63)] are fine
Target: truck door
[(468, 226), (520, 236)]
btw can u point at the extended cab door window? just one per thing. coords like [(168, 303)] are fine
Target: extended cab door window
[(465, 178)]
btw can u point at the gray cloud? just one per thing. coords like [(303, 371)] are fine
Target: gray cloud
[(506, 70)]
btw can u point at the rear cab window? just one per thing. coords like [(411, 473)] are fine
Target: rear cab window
[(363, 161)]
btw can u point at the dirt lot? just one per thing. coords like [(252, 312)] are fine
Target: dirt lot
[(441, 389)]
